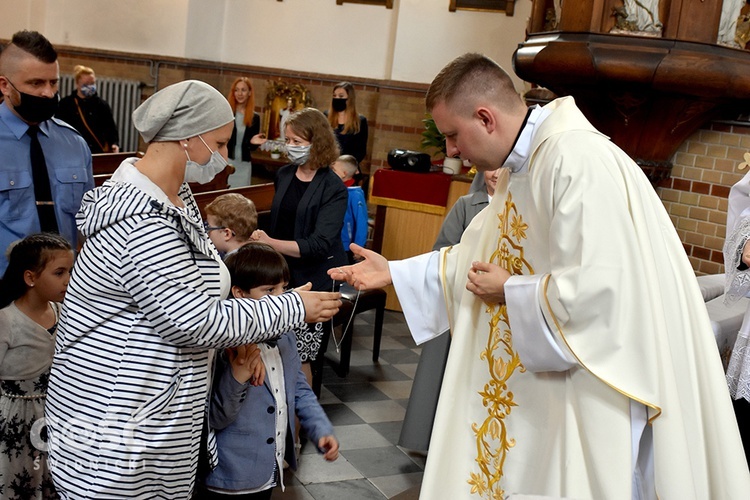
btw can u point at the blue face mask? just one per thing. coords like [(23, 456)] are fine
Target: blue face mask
[(88, 90)]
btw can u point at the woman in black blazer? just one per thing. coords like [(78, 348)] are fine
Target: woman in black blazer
[(307, 213)]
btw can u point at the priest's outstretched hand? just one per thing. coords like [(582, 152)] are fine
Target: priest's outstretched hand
[(371, 272)]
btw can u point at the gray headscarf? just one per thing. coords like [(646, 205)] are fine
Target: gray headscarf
[(180, 111)]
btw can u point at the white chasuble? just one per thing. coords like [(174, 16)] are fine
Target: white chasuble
[(619, 293)]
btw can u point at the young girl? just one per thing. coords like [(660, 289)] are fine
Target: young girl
[(255, 424), (31, 290), (349, 126)]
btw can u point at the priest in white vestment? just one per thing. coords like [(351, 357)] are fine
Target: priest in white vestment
[(582, 363)]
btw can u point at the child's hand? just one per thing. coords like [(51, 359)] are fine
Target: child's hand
[(258, 368), (247, 364), (330, 445)]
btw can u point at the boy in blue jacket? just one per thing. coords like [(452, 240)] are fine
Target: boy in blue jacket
[(254, 418), (355, 219)]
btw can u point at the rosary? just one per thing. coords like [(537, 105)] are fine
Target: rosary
[(351, 317)]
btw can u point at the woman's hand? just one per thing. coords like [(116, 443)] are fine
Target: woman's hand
[(487, 281), (319, 306), (258, 139), (371, 272), (259, 235)]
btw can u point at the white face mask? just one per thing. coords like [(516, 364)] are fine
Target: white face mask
[(203, 174), (298, 154)]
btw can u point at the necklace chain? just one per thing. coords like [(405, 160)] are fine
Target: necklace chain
[(346, 328)]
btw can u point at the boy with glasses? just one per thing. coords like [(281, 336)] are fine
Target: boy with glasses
[(230, 220)]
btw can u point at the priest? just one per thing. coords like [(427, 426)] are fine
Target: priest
[(582, 363)]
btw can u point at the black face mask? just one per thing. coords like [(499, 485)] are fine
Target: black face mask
[(36, 109), (338, 104)]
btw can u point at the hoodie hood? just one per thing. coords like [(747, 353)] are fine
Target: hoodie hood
[(117, 200)]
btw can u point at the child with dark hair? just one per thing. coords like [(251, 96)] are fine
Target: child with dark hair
[(31, 290), (254, 424)]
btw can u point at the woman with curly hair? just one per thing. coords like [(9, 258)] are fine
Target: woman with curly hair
[(307, 213)]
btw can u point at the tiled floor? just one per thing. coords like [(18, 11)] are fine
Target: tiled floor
[(366, 408)]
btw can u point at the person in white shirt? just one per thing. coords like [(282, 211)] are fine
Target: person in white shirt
[(582, 362)]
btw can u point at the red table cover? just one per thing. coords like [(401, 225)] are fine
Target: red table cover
[(430, 188)]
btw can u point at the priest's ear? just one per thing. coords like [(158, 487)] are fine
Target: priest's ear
[(487, 117)]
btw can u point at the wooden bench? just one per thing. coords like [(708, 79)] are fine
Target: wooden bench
[(260, 194), (107, 163)]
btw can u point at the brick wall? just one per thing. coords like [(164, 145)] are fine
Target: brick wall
[(705, 167), (394, 110), (695, 195)]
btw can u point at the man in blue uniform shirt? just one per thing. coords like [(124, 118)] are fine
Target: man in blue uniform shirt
[(29, 76)]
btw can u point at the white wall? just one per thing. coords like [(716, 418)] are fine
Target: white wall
[(314, 36), (152, 26), (429, 36), (410, 42), (205, 30)]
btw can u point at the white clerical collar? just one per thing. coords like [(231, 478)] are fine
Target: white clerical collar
[(517, 160)]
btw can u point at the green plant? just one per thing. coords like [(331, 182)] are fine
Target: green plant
[(432, 138)]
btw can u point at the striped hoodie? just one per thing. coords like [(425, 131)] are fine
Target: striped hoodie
[(128, 387)]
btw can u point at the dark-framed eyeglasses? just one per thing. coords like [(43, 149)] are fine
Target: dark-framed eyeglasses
[(210, 228)]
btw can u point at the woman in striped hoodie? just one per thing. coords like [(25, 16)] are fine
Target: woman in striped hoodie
[(130, 375)]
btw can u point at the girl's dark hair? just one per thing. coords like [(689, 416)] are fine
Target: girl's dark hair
[(29, 254), (256, 264)]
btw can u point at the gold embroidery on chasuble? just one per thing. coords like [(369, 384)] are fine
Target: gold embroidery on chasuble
[(493, 442)]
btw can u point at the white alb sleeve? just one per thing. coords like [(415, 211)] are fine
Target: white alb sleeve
[(417, 284), (540, 350)]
